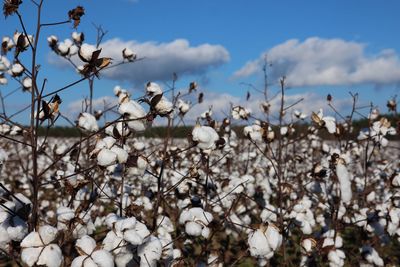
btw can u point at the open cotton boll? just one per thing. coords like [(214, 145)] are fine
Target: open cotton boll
[(86, 244), (122, 155), (47, 233), (344, 182), (78, 37), (205, 136), (153, 89), (258, 244), (193, 228), (51, 256), (150, 252), (86, 52), (30, 255), (88, 122), (16, 70), (106, 157), (128, 54), (183, 107), (330, 124), (164, 106)]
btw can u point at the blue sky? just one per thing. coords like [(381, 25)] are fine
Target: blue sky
[(321, 46)]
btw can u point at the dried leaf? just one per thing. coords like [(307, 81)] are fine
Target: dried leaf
[(76, 14), (103, 62), (200, 98), (10, 7), (154, 101)]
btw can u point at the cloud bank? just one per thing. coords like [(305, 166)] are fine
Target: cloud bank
[(318, 61), (160, 61)]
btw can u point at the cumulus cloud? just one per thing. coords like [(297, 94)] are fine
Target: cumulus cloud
[(160, 61), (318, 61)]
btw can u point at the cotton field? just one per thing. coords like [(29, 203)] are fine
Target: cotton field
[(266, 186)]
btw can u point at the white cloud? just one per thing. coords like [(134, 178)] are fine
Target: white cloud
[(318, 61), (161, 60)]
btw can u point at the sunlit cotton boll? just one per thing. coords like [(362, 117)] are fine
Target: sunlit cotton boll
[(205, 137), (16, 70), (264, 241), (135, 115), (106, 157), (196, 221), (90, 256), (344, 182), (86, 52), (153, 89), (128, 54), (37, 248), (150, 252), (4, 63), (88, 122)]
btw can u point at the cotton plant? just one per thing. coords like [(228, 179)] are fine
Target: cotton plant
[(196, 221), (88, 122), (39, 248)]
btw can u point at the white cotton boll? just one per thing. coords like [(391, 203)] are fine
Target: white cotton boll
[(16, 70), (125, 224), (3, 81), (47, 233), (308, 245), (86, 51), (32, 240), (344, 182), (153, 89), (258, 243), (371, 196), (205, 137), (30, 255), (123, 259), (122, 155), (330, 124), (106, 157), (150, 252), (51, 256), (88, 122), (77, 37), (128, 54), (205, 232), (112, 242), (18, 231), (63, 49), (27, 83), (4, 63), (103, 258), (52, 39), (86, 244), (284, 130), (193, 228), (142, 230), (183, 106), (83, 261), (273, 236), (164, 106), (111, 219)]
